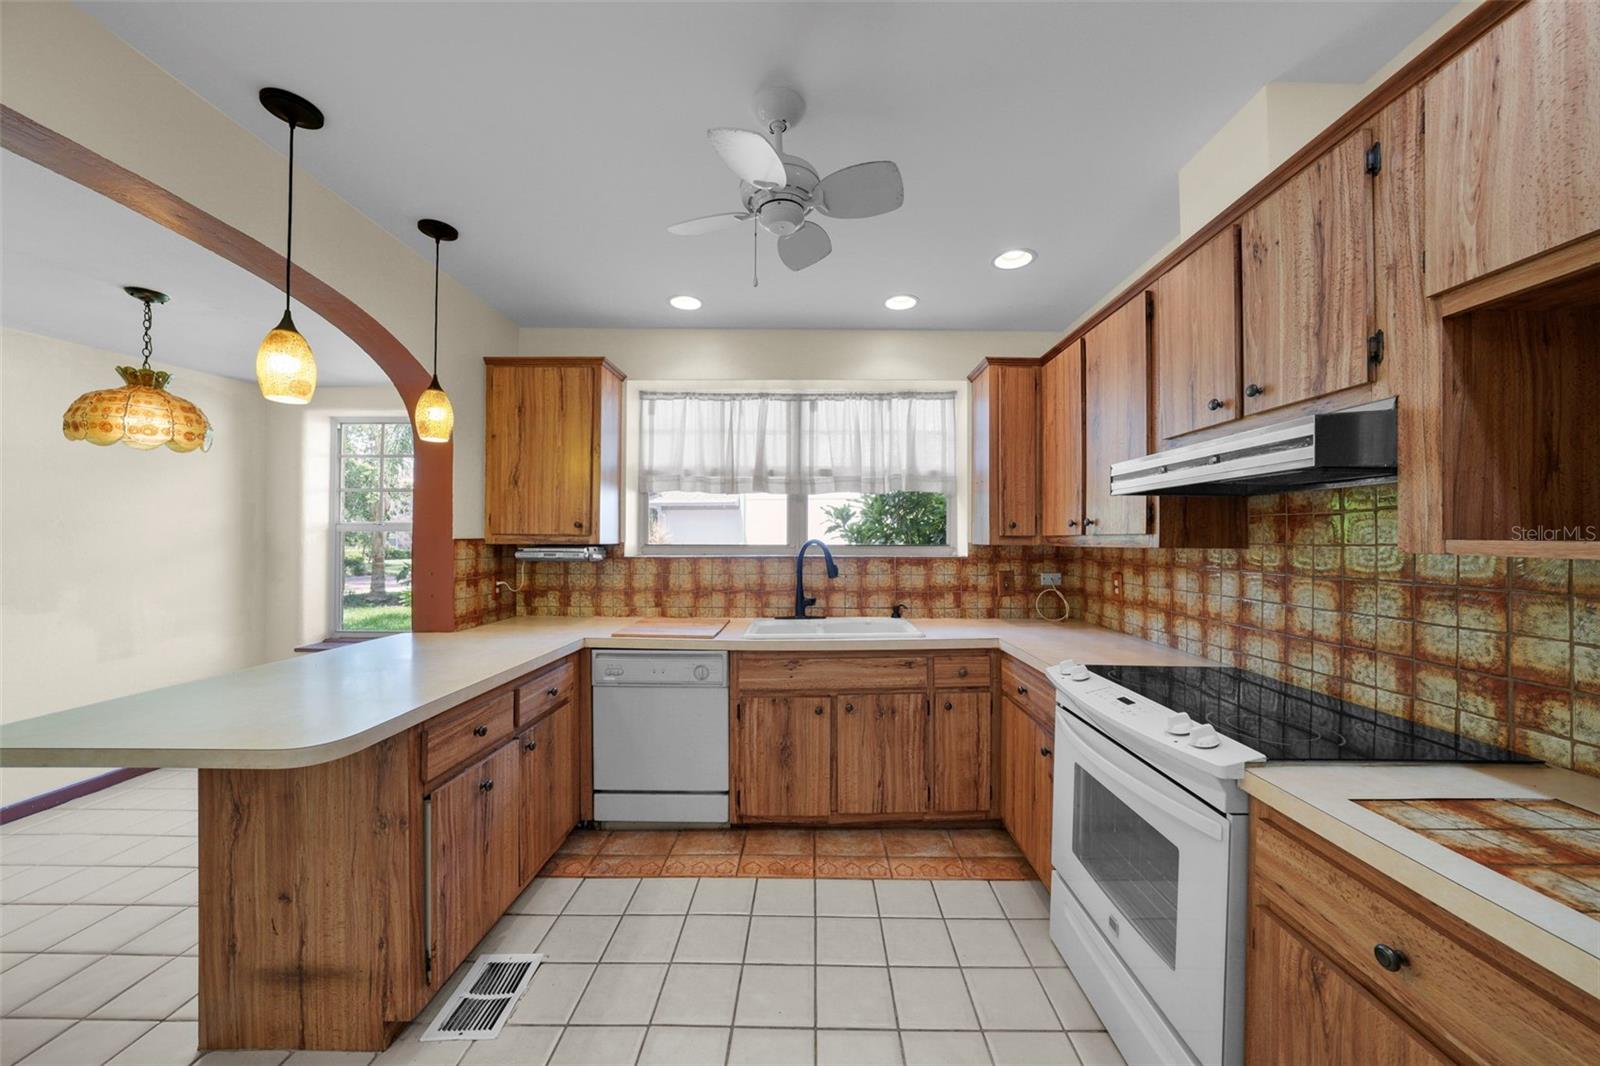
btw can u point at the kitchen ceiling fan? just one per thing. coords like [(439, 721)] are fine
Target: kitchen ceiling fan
[(779, 191)]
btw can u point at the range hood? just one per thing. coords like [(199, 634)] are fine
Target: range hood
[(1355, 445)]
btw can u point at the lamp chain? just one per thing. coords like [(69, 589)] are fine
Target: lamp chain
[(147, 334)]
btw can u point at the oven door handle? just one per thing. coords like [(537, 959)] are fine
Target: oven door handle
[(1106, 768)]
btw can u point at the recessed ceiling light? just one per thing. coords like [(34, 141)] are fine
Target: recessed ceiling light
[(1013, 259), (685, 303), (902, 302)]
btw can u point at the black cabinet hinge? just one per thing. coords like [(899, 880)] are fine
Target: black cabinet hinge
[(1375, 347), (1375, 158)]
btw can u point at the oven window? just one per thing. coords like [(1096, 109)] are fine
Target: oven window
[(1130, 860)]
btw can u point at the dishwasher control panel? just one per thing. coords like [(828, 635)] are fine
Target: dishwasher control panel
[(701, 669)]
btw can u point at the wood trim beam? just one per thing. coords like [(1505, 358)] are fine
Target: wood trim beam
[(433, 553)]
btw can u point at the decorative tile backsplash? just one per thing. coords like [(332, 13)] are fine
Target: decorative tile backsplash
[(1504, 650)]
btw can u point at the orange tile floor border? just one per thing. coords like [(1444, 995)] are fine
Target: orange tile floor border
[(984, 854)]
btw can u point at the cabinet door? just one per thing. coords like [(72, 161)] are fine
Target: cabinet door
[(1016, 399), (475, 853), (783, 756), (549, 787), (540, 463), (879, 762), (1302, 1008), (1195, 342), (959, 739), (1307, 281), (1041, 782), (1512, 163), (501, 836), (1116, 415), (1016, 771), (1061, 446)]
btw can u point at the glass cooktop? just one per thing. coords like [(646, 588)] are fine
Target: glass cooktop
[(1288, 723)]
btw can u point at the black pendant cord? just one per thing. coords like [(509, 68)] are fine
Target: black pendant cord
[(436, 312), (288, 241)]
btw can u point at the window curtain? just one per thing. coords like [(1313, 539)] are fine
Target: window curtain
[(797, 443)]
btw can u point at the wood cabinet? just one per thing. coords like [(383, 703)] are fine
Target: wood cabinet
[(1513, 143), (549, 785), (1061, 443), (1005, 451), (959, 739), (879, 753), (1027, 776), (553, 451), (1116, 416), (1345, 965), (1307, 281), (783, 746), (1195, 342), (474, 854)]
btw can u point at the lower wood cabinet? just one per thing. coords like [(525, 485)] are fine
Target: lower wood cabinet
[(782, 745), (1344, 965), (880, 759), (1027, 783), (474, 854), (959, 751), (549, 786)]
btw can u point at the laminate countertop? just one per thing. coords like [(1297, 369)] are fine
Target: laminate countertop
[(316, 708), (1335, 801)]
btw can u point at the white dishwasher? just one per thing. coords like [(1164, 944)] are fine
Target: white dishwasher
[(660, 736)]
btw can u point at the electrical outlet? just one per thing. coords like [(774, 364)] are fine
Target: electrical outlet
[(1006, 581), (1116, 583), (1050, 580)]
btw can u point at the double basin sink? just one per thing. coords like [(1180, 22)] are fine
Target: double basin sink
[(831, 629)]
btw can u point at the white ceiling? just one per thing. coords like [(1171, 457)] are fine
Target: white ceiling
[(68, 251), (563, 138)]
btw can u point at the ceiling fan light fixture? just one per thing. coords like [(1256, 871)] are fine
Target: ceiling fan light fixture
[(1014, 258), (900, 302), (686, 303)]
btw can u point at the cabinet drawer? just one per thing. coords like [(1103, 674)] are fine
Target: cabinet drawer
[(546, 690), (456, 736), (831, 673), (1031, 689), (961, 671), (1446, 978)]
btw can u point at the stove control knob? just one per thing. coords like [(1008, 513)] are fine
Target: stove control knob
[(1204, 736), (1079, 673), (1179, 724)]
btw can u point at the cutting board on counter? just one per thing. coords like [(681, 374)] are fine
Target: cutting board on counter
[(685, 628)]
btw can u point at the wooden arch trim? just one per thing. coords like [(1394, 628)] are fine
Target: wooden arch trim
[(433, 554)]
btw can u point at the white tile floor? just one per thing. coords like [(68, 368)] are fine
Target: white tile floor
[(98, 933)]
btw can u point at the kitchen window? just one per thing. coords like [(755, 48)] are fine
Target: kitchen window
[(372, 477), (760, 473)]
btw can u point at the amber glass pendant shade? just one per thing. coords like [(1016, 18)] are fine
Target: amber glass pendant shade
[(141, 414), (435, 417), (285, 368)]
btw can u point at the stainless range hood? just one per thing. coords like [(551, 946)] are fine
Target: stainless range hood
[(1355, 445)]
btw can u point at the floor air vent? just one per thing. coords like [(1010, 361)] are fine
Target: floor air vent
[(483, 1001)]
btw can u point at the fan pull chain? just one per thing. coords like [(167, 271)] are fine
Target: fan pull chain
[(755, 255)]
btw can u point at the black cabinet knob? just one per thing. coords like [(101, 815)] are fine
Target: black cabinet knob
[(1045, 752), (531, 745), (1011, 525), (948, 705), (480, 730), (1213, 404), (577, 525), (1391, 959), (487, 785), (1087, 522), (849, 708), (1253, 390), (818, 711), (1022, 690), (1072, 523), (551, 692), (961, 671)]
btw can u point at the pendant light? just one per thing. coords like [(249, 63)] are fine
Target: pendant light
[(141, 414), (435, 418), (285, 368)]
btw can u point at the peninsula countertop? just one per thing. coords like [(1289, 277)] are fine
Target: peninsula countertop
[(316, 708)]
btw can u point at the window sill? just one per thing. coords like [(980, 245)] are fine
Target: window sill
[(339, 640)]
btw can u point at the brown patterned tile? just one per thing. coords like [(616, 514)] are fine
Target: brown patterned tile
[(691, 865), (1502, 847), (1584, 844), (639, 842), (583, 842), (1553, 881), (1548, 662), (626, 866), (984, 843), (918, 842), (709, 842), (996, 868), (777, 866), (768, 840), (858, 843), (926, 866), (567, 866), (854, 866)]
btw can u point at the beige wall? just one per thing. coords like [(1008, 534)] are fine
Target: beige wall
[(121, 570), (60, 67)]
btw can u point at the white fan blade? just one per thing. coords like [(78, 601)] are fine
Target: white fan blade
[(707, 224), (861, 191), (749, 156), (804, 246)]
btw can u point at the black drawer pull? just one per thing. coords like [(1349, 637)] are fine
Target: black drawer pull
[(961, 671), (480, 730), (486, 785), (1391, 959), (1022, 690), (551, 692)]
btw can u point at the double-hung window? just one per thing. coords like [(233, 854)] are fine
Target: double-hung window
[(762, 472), (372, 481)]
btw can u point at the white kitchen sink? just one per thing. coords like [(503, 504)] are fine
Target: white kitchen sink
[(831, 629)]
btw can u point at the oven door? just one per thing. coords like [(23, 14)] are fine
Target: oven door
[(1149, 863)]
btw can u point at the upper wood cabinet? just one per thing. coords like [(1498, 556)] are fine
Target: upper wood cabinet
[(553, 449), (1061, 443), (1116, 416), (1307, 281), (879, 761), (1195, 346), (1513, 143), (1005, 451), (783, 746)]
